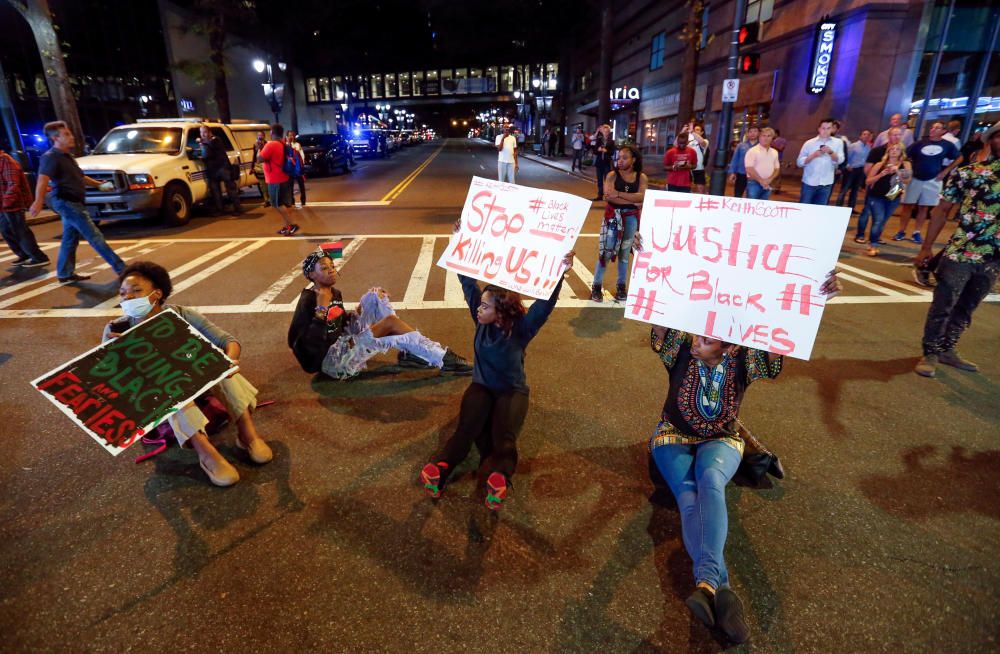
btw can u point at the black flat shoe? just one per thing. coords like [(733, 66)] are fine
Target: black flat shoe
[(700, 604), (729, 616)]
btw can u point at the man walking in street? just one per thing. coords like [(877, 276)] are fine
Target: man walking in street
[(762, 166), (577, 142), (854, 175), (737, 165), (218, 170), (604, 155), (970, 264), (905, 133), (506, 144), (819, 158), (679, 160), (67, 199), (300, 179), (929, 157), (15, 198), (273, 156)]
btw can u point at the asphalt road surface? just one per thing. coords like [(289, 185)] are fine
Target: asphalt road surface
[(883, 536)]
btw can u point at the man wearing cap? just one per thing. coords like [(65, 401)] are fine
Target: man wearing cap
[(970, 264)]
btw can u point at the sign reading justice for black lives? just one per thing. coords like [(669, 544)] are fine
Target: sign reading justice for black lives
[(125, 387)]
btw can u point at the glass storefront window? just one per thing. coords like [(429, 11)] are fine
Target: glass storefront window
[(390, 85), (324, 89), (552, 76), (404, 85), (418, 83), (312, 94)]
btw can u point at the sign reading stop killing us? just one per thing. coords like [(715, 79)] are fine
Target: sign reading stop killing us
[(124, 387), (743, 271), (515, 236)]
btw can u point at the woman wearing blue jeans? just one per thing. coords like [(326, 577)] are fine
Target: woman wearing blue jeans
[(697, 449), (625, 188), (884, 180)]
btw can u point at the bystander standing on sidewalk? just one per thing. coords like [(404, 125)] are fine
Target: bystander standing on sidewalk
[(218, 170), (905, 133), (698, 143), (885, 182), (258, 168), (292, 141), (854, 175), (737, 167), (15, 198), (577, 143), (930, 157), (762, 166), (779, 143), (819, 158), (604, 155), (875, 155), (67, 199), (553, 140), (970, 265), (273, 157), (679, 160), (506, 145)]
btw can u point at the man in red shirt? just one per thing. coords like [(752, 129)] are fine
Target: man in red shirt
[(679, 160), (15, 198), (272, 155)]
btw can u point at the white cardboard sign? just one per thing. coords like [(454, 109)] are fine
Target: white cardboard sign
[(515, 236), (744, 271)]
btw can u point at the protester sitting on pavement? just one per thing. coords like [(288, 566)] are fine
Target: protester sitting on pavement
[(496, 402), (627, 187), (506, 144), (67, 197), (933, 159), (145, 287), (323, 336), (697, 449), (15, 198), (737, 166), (218, 170), (885, 182), (970, 265), (279, 191)]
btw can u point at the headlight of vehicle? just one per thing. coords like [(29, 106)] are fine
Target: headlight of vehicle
[(140, 181)]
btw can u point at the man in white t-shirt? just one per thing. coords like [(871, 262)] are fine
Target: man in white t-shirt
[(506, 156)]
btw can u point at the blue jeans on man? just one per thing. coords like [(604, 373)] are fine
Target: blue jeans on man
[(505, 172), (757, 192), (815, 194), (697, 476), (76, 223)]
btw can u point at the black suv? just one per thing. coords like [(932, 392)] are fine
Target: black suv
[(325, 153)]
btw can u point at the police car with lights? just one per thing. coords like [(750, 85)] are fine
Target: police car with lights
[(155, 168)]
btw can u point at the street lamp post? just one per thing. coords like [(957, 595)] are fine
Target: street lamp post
[(273, 92)]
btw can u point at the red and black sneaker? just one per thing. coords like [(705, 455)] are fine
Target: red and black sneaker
[(283, 231), (430, 477), (496, 491), (292, 229)]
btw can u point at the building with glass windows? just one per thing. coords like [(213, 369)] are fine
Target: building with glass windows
[(857, 61)]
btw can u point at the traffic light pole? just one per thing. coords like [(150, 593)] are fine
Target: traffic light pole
[(718, 185)]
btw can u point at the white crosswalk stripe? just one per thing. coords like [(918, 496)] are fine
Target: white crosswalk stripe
[(863, 286)]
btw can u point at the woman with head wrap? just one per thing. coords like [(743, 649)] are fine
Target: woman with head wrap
[(323, 336)]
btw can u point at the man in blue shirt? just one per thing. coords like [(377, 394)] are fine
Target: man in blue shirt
[(737, 166), (854, 176), (929, 169)]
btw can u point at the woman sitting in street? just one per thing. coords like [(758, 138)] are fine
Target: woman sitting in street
[(144, 287), (323, 336), (697, 449)]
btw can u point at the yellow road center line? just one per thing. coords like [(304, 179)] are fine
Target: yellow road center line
[(399, 188)]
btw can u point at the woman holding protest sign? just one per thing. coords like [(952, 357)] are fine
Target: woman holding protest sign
[(144, 287), (697, 449), (495, 404), (323, 336), (626, 188)]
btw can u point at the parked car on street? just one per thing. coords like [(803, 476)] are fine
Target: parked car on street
[(325, 153), (156, 169), (369, 142)]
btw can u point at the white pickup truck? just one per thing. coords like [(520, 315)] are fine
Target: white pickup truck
[(155, 167)]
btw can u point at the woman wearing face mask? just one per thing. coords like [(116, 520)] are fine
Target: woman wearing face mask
[(697, 450), (323, 336), (144, 287), (496, 402)]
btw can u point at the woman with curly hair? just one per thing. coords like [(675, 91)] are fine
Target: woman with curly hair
[(145, 287), (496, 402), (625, 188)]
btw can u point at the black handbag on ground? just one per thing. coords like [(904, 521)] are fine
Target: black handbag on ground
[(758, 461)]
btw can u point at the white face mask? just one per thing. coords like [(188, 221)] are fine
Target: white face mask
[(138, 307)]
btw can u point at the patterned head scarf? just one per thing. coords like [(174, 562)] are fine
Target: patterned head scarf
[(309, 263)]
